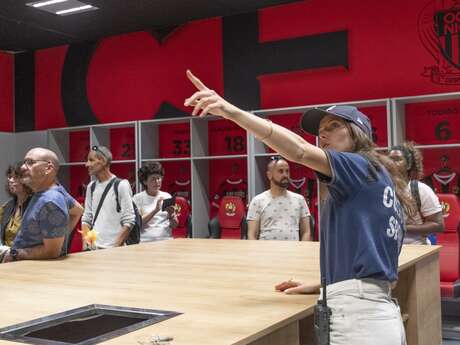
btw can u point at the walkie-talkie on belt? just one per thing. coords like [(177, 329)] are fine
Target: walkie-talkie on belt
[(322, 317)]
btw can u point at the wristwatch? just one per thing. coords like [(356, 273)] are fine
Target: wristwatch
[(14, 254)]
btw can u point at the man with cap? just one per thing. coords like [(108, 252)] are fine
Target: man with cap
[(362, 226), (112, 227)]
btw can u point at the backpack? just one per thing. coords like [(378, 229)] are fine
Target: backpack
[(134, 236)]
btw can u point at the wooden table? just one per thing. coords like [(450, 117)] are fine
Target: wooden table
[(224, 288)]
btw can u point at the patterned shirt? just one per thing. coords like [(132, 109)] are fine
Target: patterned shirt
[(46, 217), (279, 217)]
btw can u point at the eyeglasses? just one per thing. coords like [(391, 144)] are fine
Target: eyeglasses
[(275, 158), (29, 162)]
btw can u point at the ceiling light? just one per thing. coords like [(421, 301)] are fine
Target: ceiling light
[(74, 9), (46, 3)]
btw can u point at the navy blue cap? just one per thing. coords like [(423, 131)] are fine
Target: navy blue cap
[(312, 117)]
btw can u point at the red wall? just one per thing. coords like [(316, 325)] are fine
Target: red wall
[(130, 75), (48, 107), (6, 93), (386, 55)]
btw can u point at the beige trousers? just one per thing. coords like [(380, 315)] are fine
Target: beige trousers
[(363, 312)]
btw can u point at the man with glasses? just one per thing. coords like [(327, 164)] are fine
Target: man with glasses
[(278, 214), (112, 227), (45, 220)]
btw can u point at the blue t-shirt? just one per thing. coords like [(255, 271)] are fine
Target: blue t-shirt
[(362, 225), (46, 217), (69, 200)]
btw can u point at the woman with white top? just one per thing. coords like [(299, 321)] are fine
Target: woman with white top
[(157, 223)]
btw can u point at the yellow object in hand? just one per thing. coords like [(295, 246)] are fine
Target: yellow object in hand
[(91, 236)]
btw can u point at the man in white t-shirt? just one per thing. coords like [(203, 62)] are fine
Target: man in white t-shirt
[(428, 219), (156, 223), (112, 227), (278, 214)]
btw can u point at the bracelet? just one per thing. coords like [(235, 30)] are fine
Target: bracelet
[(269, 133)]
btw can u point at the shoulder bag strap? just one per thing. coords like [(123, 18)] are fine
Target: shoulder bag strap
[(416, 194), (106, 190)]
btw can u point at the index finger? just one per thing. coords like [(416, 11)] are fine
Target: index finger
[(195, 81)]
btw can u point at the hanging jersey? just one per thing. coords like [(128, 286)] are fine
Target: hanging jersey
[(444, 183), (181, 188), (231, 188), (303, 186), (298, 186)]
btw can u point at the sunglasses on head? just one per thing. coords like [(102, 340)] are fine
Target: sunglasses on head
[(96, 149)]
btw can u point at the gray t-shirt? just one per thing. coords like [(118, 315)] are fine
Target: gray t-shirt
[(279, 217)]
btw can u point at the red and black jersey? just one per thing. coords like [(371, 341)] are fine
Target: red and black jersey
[(302, 180), (181, 188), (303, 186), (230, 187), (448, 182)]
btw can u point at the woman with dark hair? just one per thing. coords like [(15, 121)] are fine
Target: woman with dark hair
[(11, 212), (428, 219), (362, 225), (156, 223)]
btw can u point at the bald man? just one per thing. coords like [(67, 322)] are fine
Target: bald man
[(45, 221), (278, 214)]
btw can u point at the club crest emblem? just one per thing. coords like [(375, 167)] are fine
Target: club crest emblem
[(177, 209), (445, 209), (230, 209), (438, 28)]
